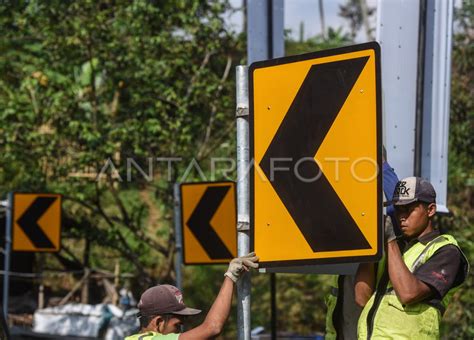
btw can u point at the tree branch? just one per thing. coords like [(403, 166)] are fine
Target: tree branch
[(218, 141), (119, 203), (112, 220), (32, 96), (212, 115), (92, 82), (192, 82)]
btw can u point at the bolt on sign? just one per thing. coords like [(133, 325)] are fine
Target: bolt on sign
[(36, 222), (209, 222), (315, 140)]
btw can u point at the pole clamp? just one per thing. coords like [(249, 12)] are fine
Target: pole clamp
[(242, 112), (243, 226)]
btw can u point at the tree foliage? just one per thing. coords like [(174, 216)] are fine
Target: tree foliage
[(334, 38), (459, 317), (84, 86), (357, 13), (84, 83)]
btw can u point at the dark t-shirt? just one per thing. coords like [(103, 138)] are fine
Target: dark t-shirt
[(444, 270)]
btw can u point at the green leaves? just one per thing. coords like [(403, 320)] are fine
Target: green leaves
[(86, 82), (458, 319)]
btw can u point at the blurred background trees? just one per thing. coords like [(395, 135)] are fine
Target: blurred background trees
[(87, 85), (459, 317), (90, 89)]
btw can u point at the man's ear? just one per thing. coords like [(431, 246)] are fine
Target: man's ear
[(156, 323), (431, 209)]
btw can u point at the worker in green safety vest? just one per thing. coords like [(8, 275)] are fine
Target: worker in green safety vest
[(162, 311), (419, 280), (342, 311)]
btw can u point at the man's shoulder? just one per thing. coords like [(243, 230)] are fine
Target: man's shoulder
[(447, 254), (448, 246), (153, 336), (445, 269)]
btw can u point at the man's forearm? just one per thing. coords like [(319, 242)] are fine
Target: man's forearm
[(215, 319), (407, 287), (220, 309), (364, 283)]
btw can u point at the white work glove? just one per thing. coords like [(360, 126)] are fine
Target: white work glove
[(241, 264), (389, 234)]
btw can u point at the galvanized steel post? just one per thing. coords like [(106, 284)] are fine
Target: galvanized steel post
[(178, 236), (6, 252), (243, 199), (265, 40)]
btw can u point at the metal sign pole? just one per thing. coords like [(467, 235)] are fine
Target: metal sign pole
[(243, 199), (178, 236), (273, 305), (265, 40), (6, 252)]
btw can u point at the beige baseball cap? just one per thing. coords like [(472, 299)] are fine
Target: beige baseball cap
[(413, 189)]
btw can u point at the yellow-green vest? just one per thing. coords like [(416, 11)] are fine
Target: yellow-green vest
[(331, 301), (153, 336), (332, 298), (392, 319)]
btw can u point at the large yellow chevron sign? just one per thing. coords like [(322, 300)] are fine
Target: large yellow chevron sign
[(315, 139)]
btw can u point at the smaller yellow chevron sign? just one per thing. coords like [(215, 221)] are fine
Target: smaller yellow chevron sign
[(36, 222), (209, 222)]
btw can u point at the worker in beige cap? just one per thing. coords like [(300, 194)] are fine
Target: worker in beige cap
[(162, 311), (419, 274)]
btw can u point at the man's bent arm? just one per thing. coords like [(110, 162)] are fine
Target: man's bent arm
[(217, 316), (364, 283), (407, 287)]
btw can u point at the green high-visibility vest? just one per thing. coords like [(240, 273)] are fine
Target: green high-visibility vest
[(394, 320), (153, 336), (334, 298), (331, 301)]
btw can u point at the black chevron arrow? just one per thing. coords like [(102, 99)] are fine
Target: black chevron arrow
[(313, 204), (28, 222), (200, 223)]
